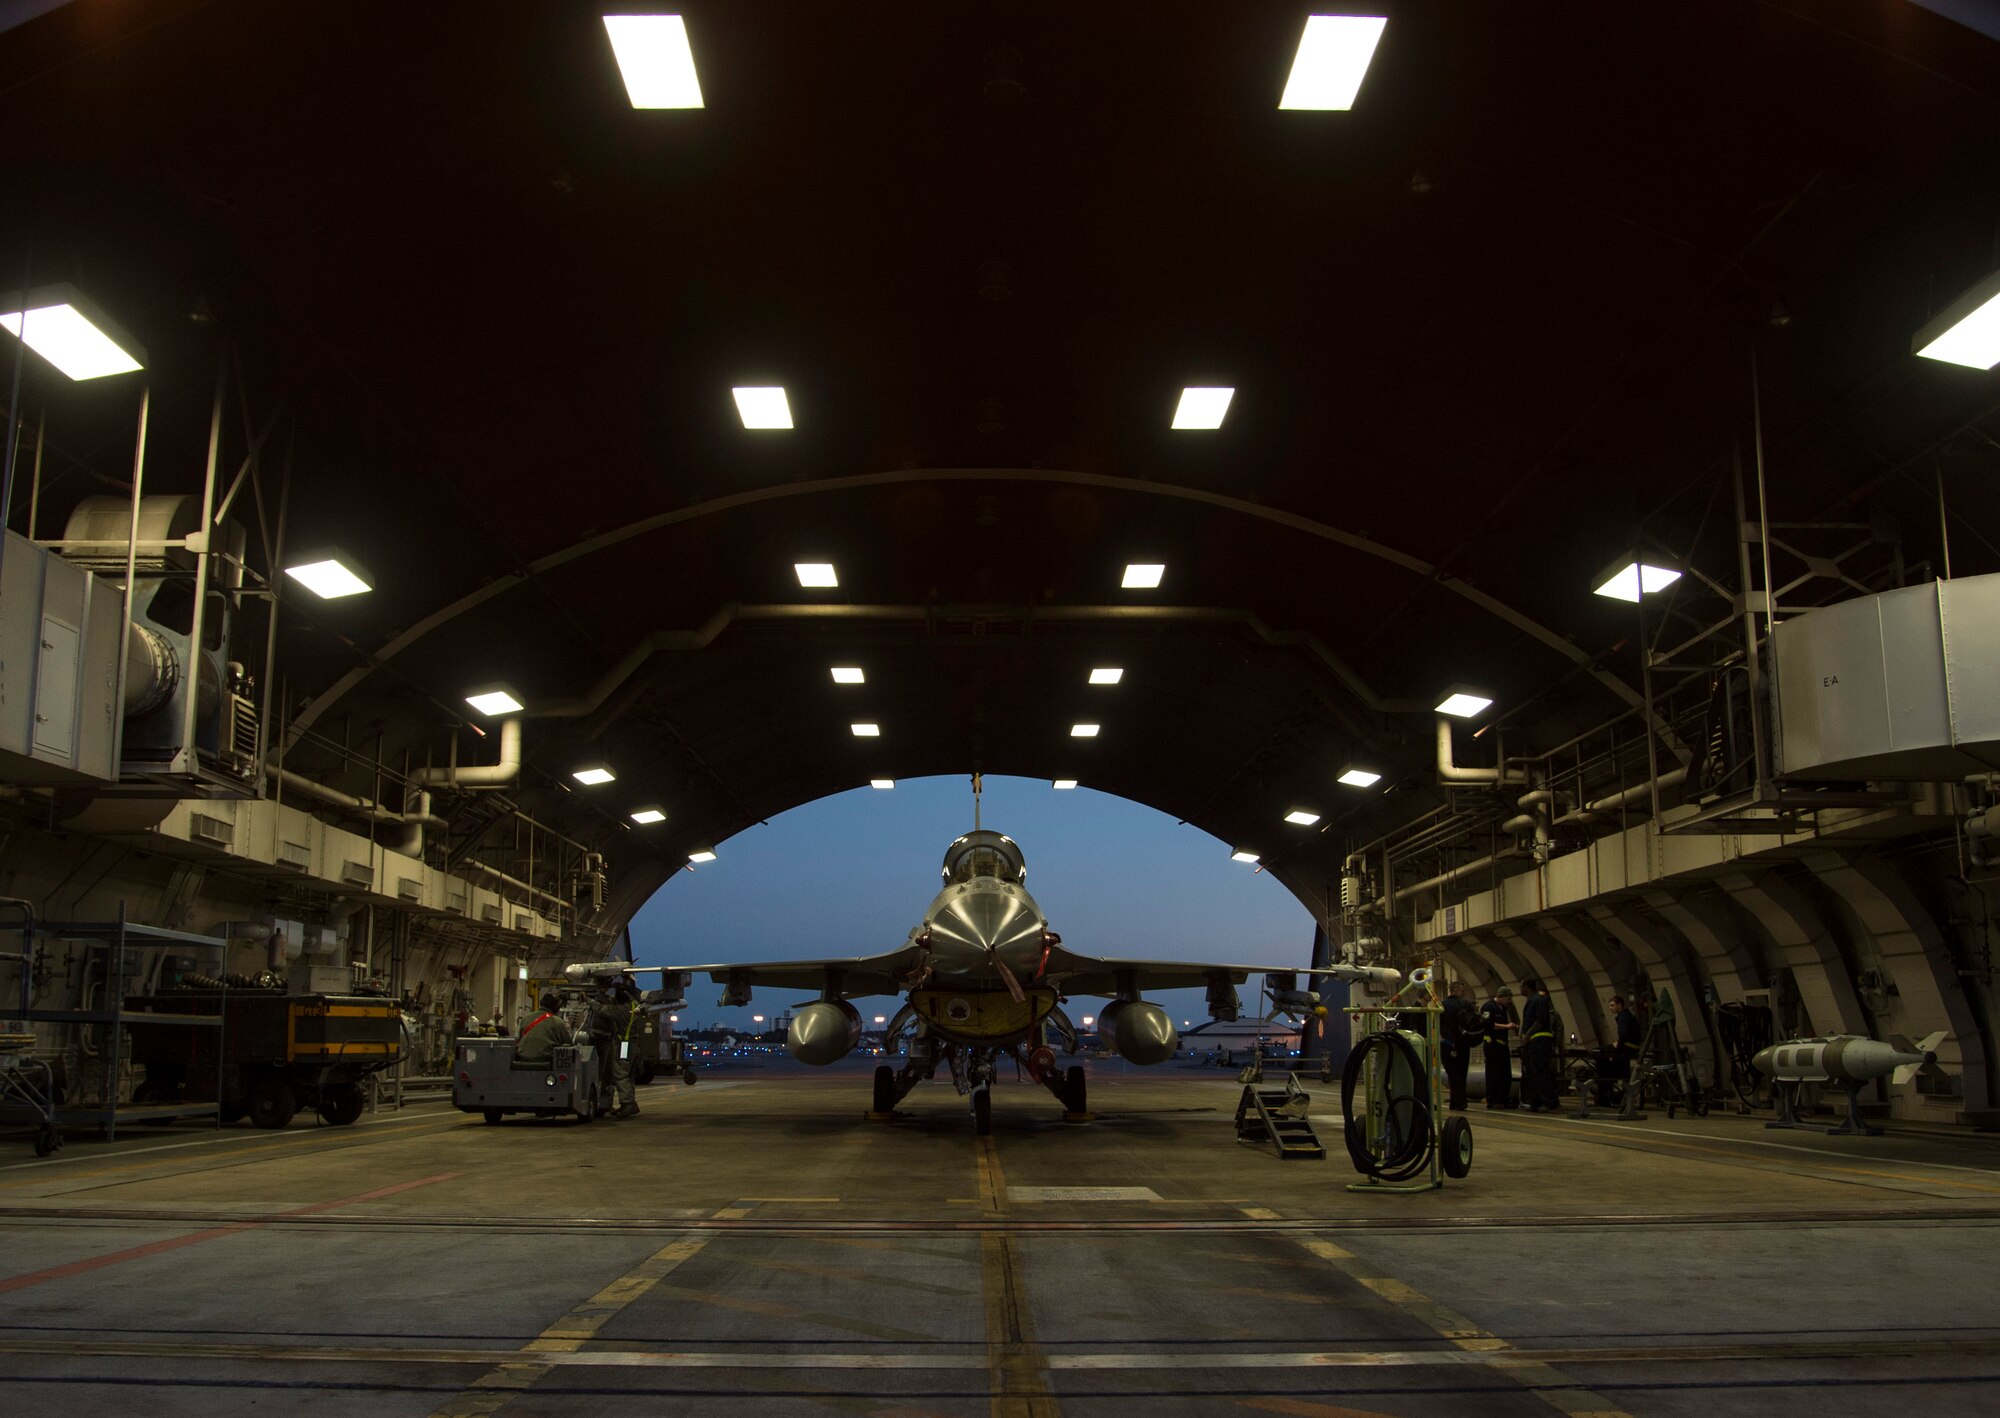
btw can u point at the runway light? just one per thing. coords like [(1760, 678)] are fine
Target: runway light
[(1106, 674), (848, 674), (702, 856), (1143, 575), (816, 575), (1063, 785), (331, 574), (1967, 332), (763, 407), (591, 777), (655, 59), (1332, 60), (1244, 857), (1360, 778), (881, 1019), (493, 702), (1631, 579), (64, 328), (883, 784), (1202, 408), (649, 815), (1083, 731), (866, 731), (756, 1019), (1299, 817)]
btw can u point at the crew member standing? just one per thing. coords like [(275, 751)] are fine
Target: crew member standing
[(1538, 1048), (545, 1033), (1457, 1027), (623, 1014), (1625, 1052), (1502, 1025)]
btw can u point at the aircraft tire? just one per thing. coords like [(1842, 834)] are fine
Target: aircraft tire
[(1076, 1095), (982, 1111), (885, 1089)]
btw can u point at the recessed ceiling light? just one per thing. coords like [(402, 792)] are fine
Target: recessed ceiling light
[(1244, 857), (1143, 576), (1106, 674), (1360, 778), (58, 324), (1463, 704), (701, 856), (866, 731), (591, 777), (848, 674), (491, 702), (1332, 60), (1299, 817), (1063, 785), (816, 575), (649, 815), (1632, 578), (763, 407), (882, 784), (1202, 408), (1967, 331), (1083, 731), (655, 59), (331, 575)]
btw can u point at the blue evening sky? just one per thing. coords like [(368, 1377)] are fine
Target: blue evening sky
[(850, 874)]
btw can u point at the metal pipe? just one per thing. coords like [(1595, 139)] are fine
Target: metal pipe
[(1450, 772), (186, 762), (516, 883), (1617, 800), (493, 775), (420, 819), (131, 567)]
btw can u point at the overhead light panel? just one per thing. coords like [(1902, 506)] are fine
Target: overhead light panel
[(1106, 674), (1299, 817), (655, 59), (1244, 857), (649, 815), (1463, 704), (57, 323), (493, 702), (763, 407), (1202, 408), (1967, 331), (1143, 575), (1631, 579), (331, 574), (1063, 785), (591, 777), (882, 784), (702, 856), (848, 674), (1083, 731), (1360, 778), (866, 731), (816, 575), (1332, 60)]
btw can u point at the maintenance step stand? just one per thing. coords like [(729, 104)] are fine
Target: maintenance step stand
[(1278, 1116)]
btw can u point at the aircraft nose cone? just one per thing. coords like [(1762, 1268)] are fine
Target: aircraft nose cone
[(984, 925), (986, 917)]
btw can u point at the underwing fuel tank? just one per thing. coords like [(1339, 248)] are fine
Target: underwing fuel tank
[(1845, 1058), (1138, 1032), (824, 1032)]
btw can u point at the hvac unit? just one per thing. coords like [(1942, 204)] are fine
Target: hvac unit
[(357, 873)]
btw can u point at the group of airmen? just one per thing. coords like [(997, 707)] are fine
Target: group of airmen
[(1497, 1028), (611, 1020)]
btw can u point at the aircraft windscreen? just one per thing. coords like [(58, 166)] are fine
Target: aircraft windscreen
[(984, 854)]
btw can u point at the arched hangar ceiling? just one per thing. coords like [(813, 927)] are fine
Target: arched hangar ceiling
[(1485, 330)]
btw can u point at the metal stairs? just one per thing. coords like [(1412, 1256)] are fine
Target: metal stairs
[(1278, 1116)]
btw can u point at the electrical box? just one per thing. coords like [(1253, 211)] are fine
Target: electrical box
[(58, 669)]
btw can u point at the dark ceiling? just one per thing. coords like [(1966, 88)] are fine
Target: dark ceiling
[(1500, 319)]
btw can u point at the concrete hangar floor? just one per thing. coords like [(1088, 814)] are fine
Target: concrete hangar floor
[(755, 1245)]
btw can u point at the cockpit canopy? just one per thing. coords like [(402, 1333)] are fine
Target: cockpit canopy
[(986, 854)]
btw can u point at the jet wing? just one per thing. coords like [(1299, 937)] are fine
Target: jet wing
[(1101, 975), (851, 975)]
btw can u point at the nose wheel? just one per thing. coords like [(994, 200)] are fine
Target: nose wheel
[(982, 1110)]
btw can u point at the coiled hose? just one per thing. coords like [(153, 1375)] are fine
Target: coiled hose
[(1406, 1137)]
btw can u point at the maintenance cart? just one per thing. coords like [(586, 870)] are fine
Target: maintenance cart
[(28, 1091), (488, 1079)]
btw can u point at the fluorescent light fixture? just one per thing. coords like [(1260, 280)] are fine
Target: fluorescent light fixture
[(1143, 576), (1360, 778), (816, 575), (763, 407), (524, 972), (848, 674), (1106, 674), (1299, 817), (493, 702), (331, 574), (1632, 578), (1063, 785), (591, 777), (1332, 60), (882, 784), (655, 59), (649, 815), (1463, 704), (1967, 331), (866, 731), (68, 331), (702, 856), (1083, 731), (1202, 408), (1244, 857)]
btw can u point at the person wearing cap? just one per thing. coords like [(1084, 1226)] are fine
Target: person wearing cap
[(1502, 1024), (544, 1034)]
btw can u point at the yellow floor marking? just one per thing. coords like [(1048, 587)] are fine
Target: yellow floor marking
[(733, 1213), (1260, 1213), (1019, 1386)]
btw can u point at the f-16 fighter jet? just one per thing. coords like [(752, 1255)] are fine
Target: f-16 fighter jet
[(985, 980)]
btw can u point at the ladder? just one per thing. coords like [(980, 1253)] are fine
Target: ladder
[(1278, 1116)]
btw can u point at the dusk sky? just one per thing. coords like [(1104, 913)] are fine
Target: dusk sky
[(850, 874)]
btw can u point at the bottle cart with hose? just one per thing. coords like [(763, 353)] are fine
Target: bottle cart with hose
[(1399, 1135)]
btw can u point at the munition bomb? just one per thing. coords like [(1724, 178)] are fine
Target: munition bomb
[(1845, 1058), (1139, 1032), (823, 1032)]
